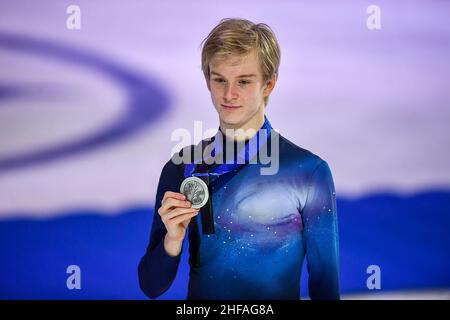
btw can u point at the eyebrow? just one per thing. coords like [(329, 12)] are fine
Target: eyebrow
[(241, 76)]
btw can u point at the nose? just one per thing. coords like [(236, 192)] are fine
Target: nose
[(230, 93)]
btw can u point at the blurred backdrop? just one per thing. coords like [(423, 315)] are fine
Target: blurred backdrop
[(86, 116)]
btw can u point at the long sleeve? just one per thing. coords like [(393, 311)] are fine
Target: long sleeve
[(157, 269), (320, 235)]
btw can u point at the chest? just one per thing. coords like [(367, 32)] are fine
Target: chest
[(256, 204)]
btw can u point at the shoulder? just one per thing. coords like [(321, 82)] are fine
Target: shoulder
[(186, 155), (294, 155), (175, 165), (189, 154), (310, 167)]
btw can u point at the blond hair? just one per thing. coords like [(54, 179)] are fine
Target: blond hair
[(238, 37)]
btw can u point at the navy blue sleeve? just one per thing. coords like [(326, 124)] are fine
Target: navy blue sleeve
[(320, 235), (157, 269)]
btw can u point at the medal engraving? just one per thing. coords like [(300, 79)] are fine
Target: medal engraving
[(196, 191)]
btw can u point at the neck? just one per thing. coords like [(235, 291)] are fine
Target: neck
[(243, 132)]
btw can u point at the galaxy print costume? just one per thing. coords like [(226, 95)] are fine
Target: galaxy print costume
[(265, 225)]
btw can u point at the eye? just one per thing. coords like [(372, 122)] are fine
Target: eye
[(244, 82), (219, 80)]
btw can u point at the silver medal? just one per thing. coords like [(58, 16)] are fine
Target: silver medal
[(196, 191)]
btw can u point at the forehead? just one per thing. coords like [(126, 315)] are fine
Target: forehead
[(234, 65)]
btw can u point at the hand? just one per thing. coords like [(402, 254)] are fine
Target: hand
[(176, 213)]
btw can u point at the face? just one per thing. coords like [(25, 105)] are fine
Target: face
[(238, 91)]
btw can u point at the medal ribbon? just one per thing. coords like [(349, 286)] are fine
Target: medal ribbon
[(246, 153)]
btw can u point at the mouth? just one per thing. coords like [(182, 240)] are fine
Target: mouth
[(229, 107)]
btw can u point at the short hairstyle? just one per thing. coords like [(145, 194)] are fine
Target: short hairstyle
[(239, 36)]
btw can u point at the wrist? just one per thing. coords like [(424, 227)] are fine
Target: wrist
[(172, 247), (174, 239)]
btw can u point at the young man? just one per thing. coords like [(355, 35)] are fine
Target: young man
[(262, 225)]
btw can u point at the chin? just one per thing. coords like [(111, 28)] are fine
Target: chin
[(231, 119)]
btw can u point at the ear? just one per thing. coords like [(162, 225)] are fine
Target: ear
[(270, 84)]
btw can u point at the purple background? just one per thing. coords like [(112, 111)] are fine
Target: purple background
[(86, 118)]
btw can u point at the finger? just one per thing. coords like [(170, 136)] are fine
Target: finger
[(176, 212), (171, 194), (183, 217), (172, 204), (175, 203)]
